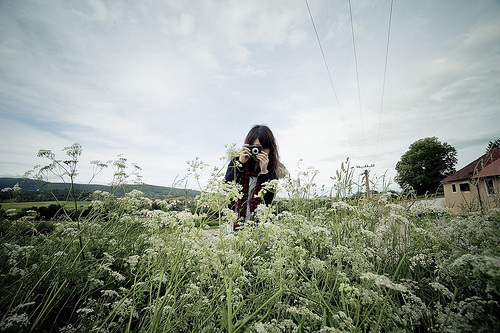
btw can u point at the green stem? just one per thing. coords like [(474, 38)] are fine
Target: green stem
[(248, 318), (229, 292), (449, 307), (47, 305)]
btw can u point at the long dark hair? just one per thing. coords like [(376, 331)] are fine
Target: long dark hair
[(267, 140)]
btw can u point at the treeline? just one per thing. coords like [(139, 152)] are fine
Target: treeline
[(30, 190), (31, 196)]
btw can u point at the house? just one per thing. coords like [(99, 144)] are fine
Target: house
[(477, 185)]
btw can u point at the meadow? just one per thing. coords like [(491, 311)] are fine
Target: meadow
[(311, 264), (36, 204)]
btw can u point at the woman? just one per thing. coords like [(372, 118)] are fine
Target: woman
[(257, 163)]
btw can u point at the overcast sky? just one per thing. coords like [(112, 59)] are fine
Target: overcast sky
[(163, 82)]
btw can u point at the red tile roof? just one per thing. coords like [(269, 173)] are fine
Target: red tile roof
[(475, 167), (491, 170)]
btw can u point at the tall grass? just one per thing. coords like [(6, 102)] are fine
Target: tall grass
[(318, 264)]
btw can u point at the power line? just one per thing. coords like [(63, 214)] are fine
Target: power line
[(357, 79), (357, 76), (329, 75), (383, 84)]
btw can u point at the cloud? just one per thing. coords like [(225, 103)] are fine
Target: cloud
[(163, 82), (297, 37), (473, 140)]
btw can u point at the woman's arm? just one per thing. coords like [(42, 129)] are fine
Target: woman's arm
[(237, 165), (234, 170)]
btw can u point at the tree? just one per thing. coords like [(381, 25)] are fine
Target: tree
[(493, 144), (425, 164)]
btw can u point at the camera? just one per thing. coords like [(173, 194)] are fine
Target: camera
[(255, 150)]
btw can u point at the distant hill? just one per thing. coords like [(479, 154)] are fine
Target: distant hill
[(151, 191)]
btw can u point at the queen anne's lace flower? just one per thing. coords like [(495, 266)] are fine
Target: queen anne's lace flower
[(384, 281)]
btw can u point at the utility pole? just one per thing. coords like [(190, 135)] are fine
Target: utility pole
[(367, 182)]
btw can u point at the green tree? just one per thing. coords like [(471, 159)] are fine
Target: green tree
[(425, 164), (493, 144)]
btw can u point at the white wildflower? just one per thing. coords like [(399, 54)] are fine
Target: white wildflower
[(109, 293), (439, 287), (15, 319), (302, 310), (395, 208), (14, 271), (186, 218), (117, 275), (24, 305), (97, 281), (269, 186), (108, 257), (384, 281), (11, 212), (67, 329), (342, 205), (384, 198), (464, 260), (84, 311), (317, 265), (132, 260)]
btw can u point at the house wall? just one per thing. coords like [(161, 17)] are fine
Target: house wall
[(461, 199), (491, 200)]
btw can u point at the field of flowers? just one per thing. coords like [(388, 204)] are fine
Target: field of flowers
[(311, 264)]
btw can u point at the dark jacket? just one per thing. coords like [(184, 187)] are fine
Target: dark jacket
[(234, 171)]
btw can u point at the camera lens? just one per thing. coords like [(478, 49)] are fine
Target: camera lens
[(255, 150)]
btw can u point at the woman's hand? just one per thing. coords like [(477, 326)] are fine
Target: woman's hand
[(245, 154), (263, 159)]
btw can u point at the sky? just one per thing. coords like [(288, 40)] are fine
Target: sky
[(164, 82)]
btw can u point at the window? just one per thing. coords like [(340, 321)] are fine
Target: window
[(465, 187), (490, 188), (454, 188)]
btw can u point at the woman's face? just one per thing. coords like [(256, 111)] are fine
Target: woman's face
[(266, 150)]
